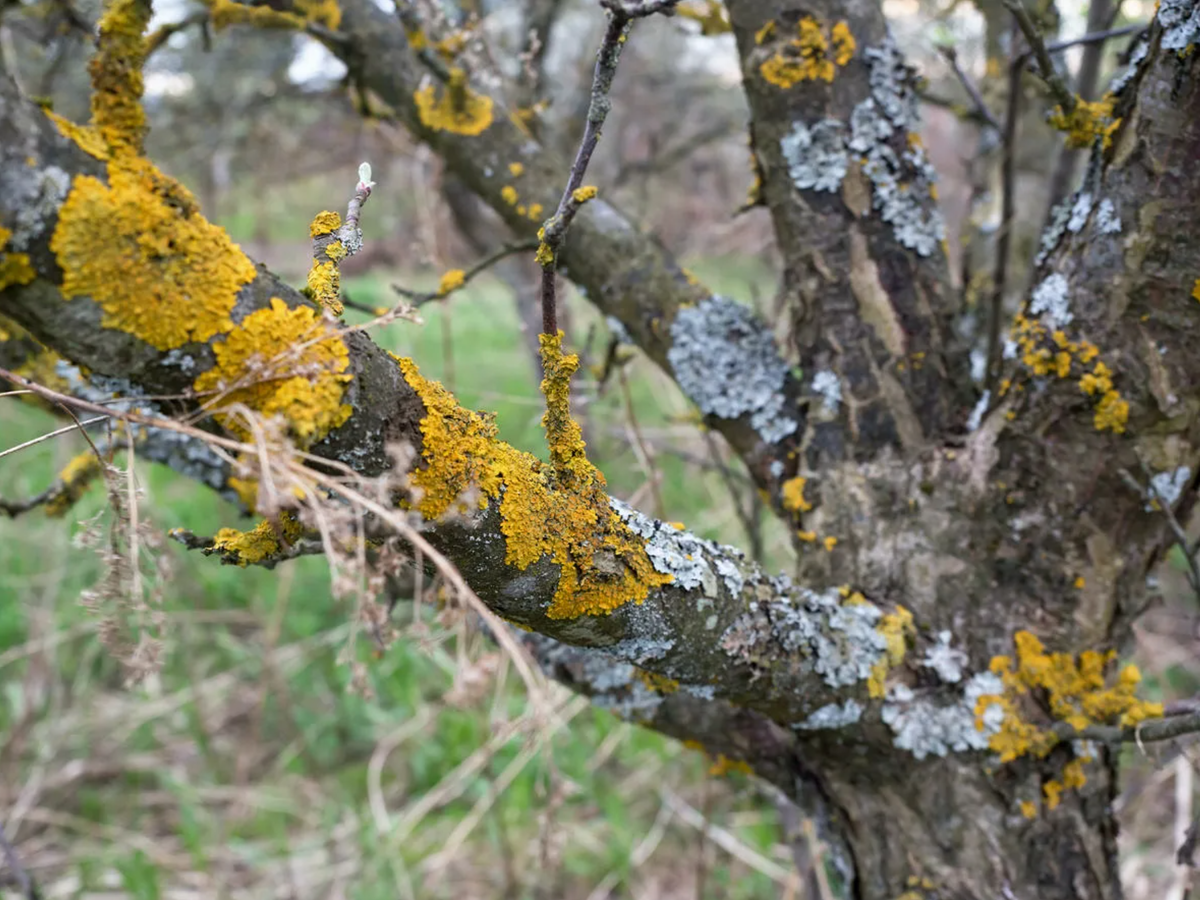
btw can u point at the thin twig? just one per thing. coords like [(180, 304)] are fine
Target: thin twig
[(1050, 75), (1007, 216), (1096, 37), (951, 56), (554, 231), (419, 298), (24, 882)]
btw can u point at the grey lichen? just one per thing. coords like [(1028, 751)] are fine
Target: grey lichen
[(816, 157), (36, 199), (828, 387), (902, 182), (926, 729), (725, 360), (946, 661), (1180, 21), (832, 715), (837, 641), (1059, 217), (672, 551), (189, 456), (1050, 301), (1107, 219), (1080, 211), (1166, 487)]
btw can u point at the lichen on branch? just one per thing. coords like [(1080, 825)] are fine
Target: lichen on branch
[(560, 511)]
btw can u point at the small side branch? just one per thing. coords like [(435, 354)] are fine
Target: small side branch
[(574, 195), (420, 298), (1050, 75)]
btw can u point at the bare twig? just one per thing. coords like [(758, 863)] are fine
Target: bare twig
[(420, 298), (554, 231), (951, 56), (24, 882), (1033, 35), (1007, 216)]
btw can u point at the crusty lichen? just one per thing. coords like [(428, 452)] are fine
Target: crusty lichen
[(450, 281), (87, 137), (326, 13), (458, 110), (792, 495), (560, 511), (807, 56), (259, 544), (139, 247), (282, 362), (1058, 687), (73, 480), (1087, 122), (15, 268)]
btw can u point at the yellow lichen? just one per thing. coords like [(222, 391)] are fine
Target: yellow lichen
[(1029, 809), (139, 247), (659, 683), (1067, 689), (509, 195), (305, 12), (560, 511), (844, 44), (584, 194), (282, 362), (1087, 122), (515, 169), (459, 110), (895, 628), (829, 542), (451, 281), (324, 286), (806, 56), (723, 765), (73, 480), (15, 268), (711, 15), (535, 211), (1196, 290), (87, 137), (324, 222), (260, 543), (116, 73), (792, 495)]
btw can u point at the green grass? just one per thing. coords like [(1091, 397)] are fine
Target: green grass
[(246, 758)]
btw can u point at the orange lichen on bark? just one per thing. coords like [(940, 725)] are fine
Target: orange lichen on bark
[(458, 110), (263, 542), (1054, 354), (895, 627), (792, 495), (1087, 122), (710, 14), (305, 12), (324, 284), (73, 480), (1068, 689), (282, 362), (139, 247), (452, 280), (560, 510), (116, 73), (88, 137), (15, 268), (806, 57), (659, 683)]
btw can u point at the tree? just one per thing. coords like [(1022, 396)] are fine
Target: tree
[(933, 686)]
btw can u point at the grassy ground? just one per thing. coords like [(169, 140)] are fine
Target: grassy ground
[(245, 768)]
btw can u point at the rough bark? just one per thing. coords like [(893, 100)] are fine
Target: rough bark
[(1025, 522)]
